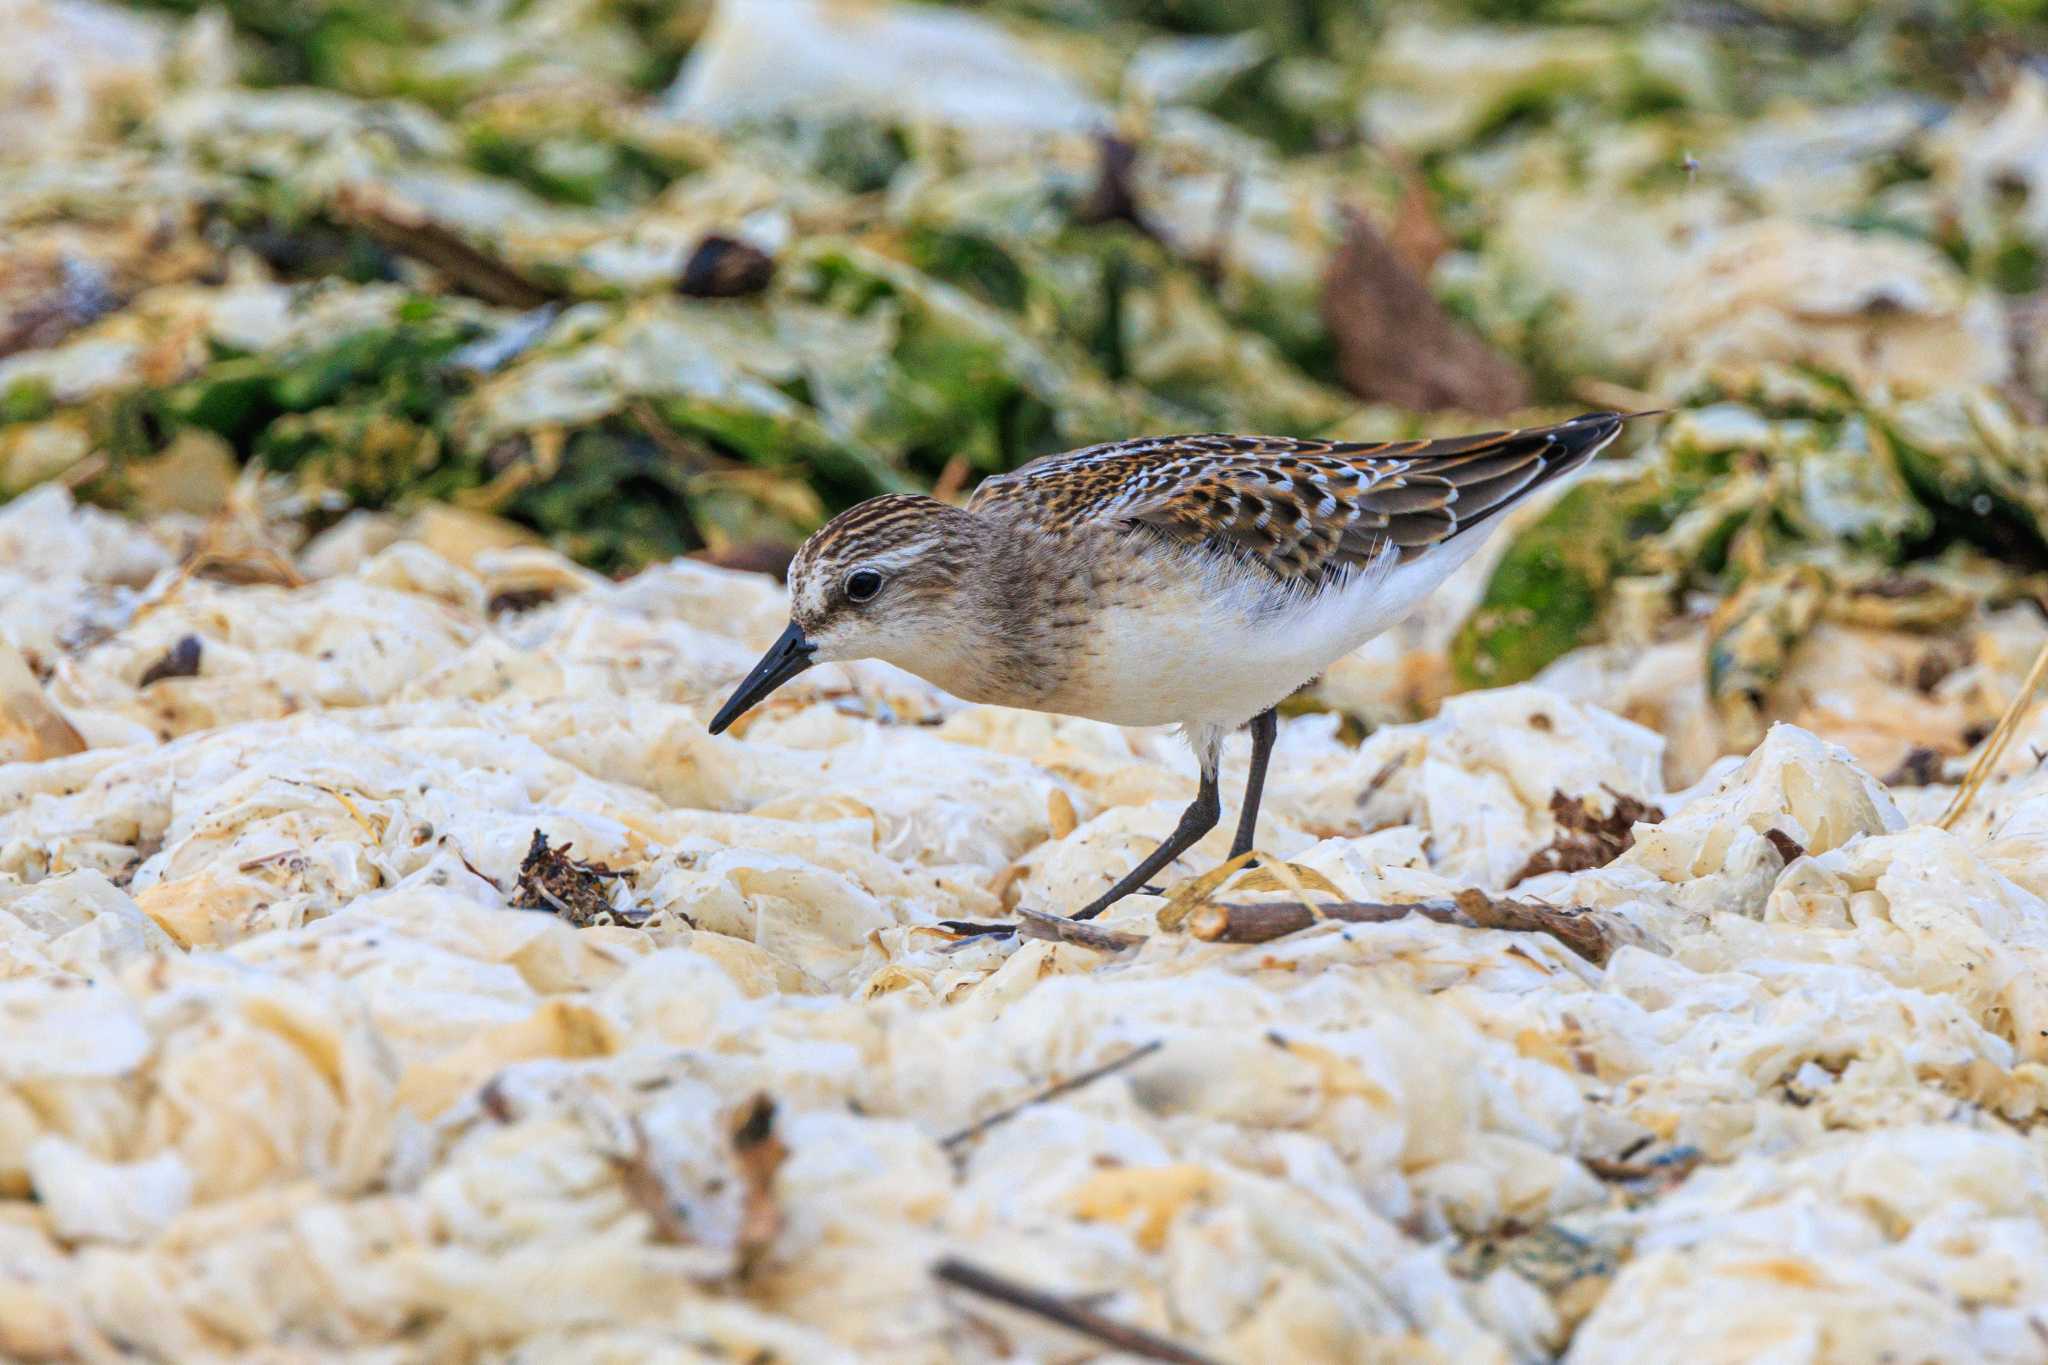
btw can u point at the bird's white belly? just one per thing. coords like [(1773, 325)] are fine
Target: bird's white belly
[(1209, 650)]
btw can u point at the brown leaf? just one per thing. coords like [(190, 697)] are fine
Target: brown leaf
[(1113, 199), (760, 1154), (1586, 838), (78, 294), (1788, 847), (1395, 342), (1417, 238)]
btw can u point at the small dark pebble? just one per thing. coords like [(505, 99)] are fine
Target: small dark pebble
[(181, 660), (725, 268)]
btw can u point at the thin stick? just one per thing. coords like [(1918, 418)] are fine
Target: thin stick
[(1051, 1092), (1060, 929), (1067, 1313), (1225, 923), (1994, 748)]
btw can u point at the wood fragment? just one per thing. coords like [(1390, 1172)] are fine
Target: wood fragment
[(1060, 929), (1397, 344), (1051, 1092), (1575, 928), (1572, 926), (1067, 1312)]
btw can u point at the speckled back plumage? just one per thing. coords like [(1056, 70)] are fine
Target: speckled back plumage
[(1306, 511)]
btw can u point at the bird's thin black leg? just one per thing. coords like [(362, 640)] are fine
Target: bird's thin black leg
[(1197, 820), (1265, 727)]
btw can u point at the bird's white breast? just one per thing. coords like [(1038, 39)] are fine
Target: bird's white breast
[(1203, 643)]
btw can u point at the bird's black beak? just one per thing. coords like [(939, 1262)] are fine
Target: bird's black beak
[(787, 657)]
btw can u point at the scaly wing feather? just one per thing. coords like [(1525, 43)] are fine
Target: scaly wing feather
[(1304, 510)]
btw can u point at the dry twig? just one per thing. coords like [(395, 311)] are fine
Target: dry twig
[(1995, 747), (1574, 928), (1066, 1312), (405, 229), (1051, 1092), (1060, 929)]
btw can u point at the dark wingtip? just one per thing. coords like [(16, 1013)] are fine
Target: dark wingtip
[(1614, 418)]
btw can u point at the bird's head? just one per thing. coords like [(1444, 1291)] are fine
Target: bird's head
[(879, 581)]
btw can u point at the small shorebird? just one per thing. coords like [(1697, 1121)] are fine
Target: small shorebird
[(1190, 580)]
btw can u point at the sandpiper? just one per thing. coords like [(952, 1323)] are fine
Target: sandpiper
[(1190, 580)]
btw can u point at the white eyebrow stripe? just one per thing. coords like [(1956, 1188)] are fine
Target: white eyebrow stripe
[(889, 560)]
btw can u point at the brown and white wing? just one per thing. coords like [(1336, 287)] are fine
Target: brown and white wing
[(1304, 510)]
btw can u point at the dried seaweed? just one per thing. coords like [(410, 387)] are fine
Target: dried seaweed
[(551, 880)]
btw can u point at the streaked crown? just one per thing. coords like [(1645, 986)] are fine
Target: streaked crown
[(900, 544)]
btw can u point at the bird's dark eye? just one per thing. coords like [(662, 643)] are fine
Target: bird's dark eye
[(862, 585)]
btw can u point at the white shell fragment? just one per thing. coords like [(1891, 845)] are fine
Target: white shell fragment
[(279, 1060)]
